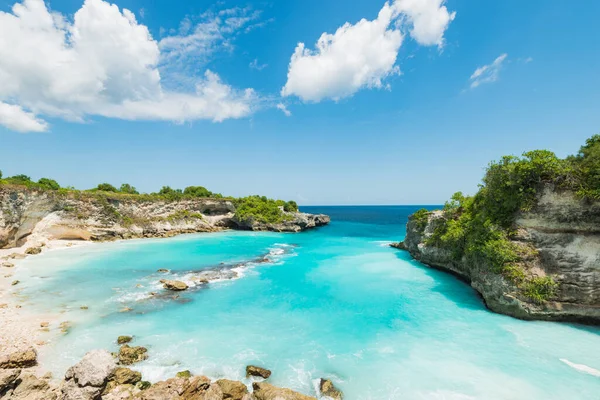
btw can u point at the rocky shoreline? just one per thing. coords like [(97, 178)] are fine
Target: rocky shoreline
[(102, 375), (563, 237)]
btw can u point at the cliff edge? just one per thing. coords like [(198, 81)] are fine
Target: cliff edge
[(27, 214)]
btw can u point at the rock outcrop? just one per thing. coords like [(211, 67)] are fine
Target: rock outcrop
[(20, 359), (98, 377), (78, 216), (252, 370), (565, 233)]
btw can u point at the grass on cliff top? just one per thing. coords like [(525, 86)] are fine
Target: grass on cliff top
[(257, 208), (479, 228)]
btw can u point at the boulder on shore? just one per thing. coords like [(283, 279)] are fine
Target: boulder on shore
[(19, 359), (327, 388), (7, 378), (33, 250), (175, 285), (252, 370)]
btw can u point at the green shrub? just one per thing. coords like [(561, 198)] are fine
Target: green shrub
[(290, 206), (197, 191), (259, 208), (540, 289), (127, 188), (420, 218), (49, 184), (106, 187)]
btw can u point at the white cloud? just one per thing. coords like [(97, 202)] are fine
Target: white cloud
[(257, 66), (15, 118), (102, 63), (284, 109), (363, 55), (429, 19), (487, 73)]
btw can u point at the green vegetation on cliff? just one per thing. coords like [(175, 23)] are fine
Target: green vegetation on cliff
[(257, 208), (478, 229)]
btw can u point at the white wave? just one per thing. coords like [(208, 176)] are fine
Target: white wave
[(582, 368)]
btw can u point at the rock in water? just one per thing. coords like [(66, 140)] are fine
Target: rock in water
[(175, 285), (266, 391), (124, 339), (130, 355), (19, 359), (233, 390), (252, 370), (327, 388), (184, 374)]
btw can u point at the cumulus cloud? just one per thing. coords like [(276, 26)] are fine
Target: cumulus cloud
[(284, 109), (487, 73), (363, 55), (15, 118), (102, 63)]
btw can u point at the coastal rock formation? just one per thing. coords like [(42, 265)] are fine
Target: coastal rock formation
[(252, 370), (20, 359), (98, 377), (46, 215), (266, 391), (297, 222), (563, 232)]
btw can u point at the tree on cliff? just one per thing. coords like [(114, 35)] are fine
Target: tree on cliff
[(197, 191), (127, 188), (49, 184), (106, 187)]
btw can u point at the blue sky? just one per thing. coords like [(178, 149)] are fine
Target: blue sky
[(397, 116)]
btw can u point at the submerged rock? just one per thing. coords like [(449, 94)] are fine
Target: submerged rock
[(327, 388), (252, 370), (266, 391), (162, 270), (19, 359), (8, 264), (174, 285), (233, 390), (124, 339), (130, 355)]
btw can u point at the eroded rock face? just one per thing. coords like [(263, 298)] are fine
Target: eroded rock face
[(54, 216), (565, 232), (19, 359), (32, 388), (266, 391), (252, 370), (7, 379)]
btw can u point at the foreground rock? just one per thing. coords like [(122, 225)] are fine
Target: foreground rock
[(98, 377), (252, 370), (87, 379), (266, 391), (19, 359), (564, 232)]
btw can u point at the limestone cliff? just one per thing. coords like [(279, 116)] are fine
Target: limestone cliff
[(565, 233), (78, 216)]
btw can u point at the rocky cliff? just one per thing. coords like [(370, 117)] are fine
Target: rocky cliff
[(27, 213), (562, 234)]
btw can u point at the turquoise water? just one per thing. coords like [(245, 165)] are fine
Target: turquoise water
[(334, 302)]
